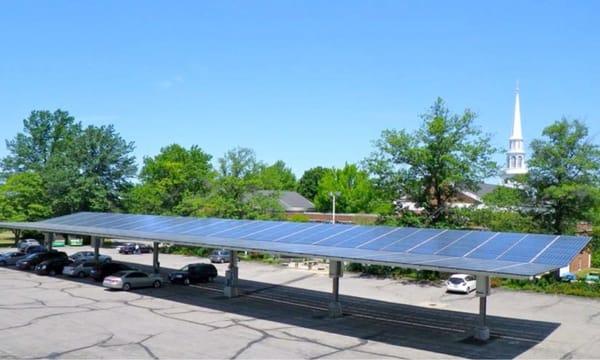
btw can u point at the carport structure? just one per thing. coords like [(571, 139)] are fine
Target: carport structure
[(481, 253)]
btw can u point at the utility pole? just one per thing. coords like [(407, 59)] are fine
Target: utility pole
[(333, 196)]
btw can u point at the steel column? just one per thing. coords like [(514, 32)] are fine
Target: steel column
[(481, 331), (231, 289), (96, 243), (335, 271), (155, 262)]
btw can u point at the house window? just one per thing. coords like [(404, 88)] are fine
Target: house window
[(520, 162), (512, 161)]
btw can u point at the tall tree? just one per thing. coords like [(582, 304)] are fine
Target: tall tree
[(277, 177), (356, 193), (93, 174), (308, 185), (239, 163), (564, 174), (170, 176), (44, 135), (431, 165), (23, 198)]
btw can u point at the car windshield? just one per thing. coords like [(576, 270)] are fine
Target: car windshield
[(185, 268), (456, 280)]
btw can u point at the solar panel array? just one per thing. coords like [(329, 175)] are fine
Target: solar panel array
[(510, 254)]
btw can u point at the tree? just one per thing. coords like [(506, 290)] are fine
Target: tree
[(277, 177), (234, 193), (308, 186), (93, 174), (431, 165), (564, 175), (22, 198), (504, 197), (45, 135), (169, 177), (356, 193)]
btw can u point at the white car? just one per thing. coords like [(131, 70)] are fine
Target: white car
[(463, 283)]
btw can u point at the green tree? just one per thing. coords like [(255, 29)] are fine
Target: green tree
[(44, 135), (564, 175), (277, 177), (308, 186), (234, 194), (93, 174), (504, 197), (356, 193), (169, 177), (82, 169), (23, 198), (431, 165)]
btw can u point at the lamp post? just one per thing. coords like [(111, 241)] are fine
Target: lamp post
[(333, 195)]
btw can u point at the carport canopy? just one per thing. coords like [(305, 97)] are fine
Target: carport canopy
[(510, 255)]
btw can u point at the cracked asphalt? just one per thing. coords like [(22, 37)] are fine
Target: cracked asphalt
[(281, 315)]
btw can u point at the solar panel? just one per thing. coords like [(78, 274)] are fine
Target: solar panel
[(506, 254)]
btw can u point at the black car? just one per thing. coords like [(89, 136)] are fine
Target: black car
[(53, 266), (31, 261), (131, 249), (34, 249), (193, 273), (107, 269)]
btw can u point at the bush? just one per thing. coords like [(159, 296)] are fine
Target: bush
[(186, 250)]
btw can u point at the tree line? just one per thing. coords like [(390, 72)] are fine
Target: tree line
[(56, 166)]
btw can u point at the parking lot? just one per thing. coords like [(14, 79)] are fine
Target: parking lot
[(282, 314)]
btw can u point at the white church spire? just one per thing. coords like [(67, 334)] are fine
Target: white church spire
[(515, 156), (516, 129)]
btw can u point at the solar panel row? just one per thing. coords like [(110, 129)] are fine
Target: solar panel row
[(394, 242)]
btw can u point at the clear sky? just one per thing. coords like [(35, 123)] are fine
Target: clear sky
[(308, 82)]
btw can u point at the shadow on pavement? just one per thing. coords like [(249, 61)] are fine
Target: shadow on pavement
[(435, 330)]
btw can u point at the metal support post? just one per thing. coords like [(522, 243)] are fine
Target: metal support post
[(96, 243), (48, 239), (335, 272), (155, 262), (481, 331), (231, 289)]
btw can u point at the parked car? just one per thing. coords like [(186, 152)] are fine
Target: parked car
[(461, 283), (89, 255), (32, 260), (25, 243), (103, 270), (34, 249), (131, 248), (79, 268), (127, 280), (220, 256), (52, 266), (592, 278), (193, 273), (568, 277), (11, 258)]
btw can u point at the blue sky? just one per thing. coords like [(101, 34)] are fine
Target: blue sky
[(308, 82)]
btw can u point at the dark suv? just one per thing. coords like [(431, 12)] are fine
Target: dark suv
[(53, 266), (107, 269), (31, 261), (193, 273)]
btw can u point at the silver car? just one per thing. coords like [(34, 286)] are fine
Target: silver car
[(127, 280), (89, 256), (11, 258), (80, 268)]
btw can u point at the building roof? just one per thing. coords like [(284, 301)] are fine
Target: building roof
[(473, 252), (291, 201)]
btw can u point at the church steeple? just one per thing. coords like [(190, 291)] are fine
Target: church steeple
[(515, 156)]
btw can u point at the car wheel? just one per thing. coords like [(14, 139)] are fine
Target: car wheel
[(2, 263), (127, 286), (158, 284), (186, 282), (52, 272), (81, 274)]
